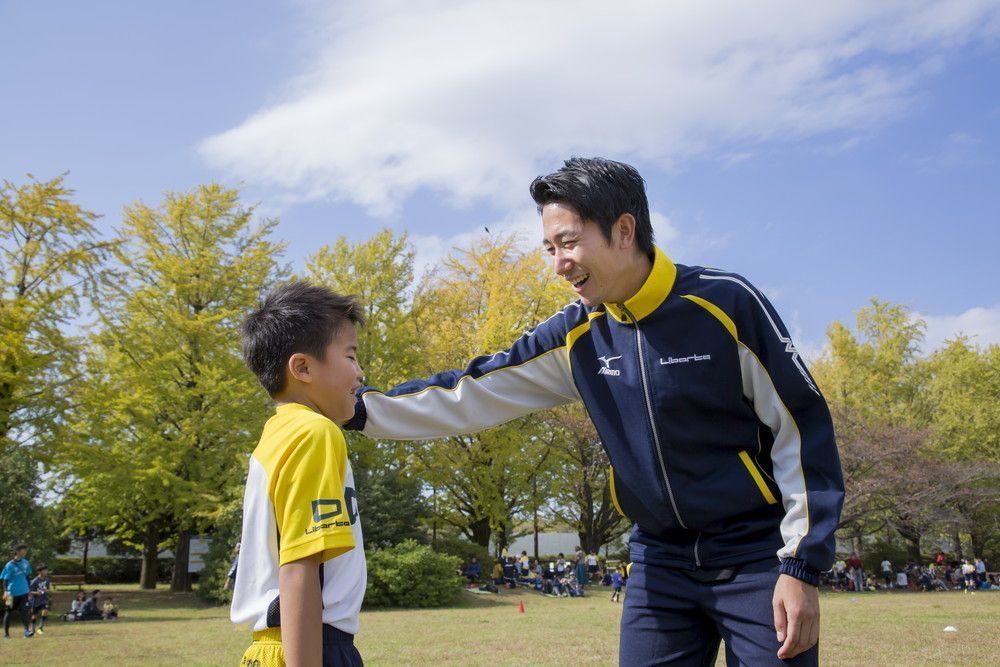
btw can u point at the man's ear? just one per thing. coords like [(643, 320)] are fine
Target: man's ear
[(624, 231), (298, 367)]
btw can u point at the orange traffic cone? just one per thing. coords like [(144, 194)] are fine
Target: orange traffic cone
[(520, 607)]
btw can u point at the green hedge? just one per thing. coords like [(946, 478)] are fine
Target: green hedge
[(109, 570), (464, 550), (411, 575)]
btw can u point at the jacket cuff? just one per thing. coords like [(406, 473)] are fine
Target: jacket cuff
[(357, 422), (796, 567)]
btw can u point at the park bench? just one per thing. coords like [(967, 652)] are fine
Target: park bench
[(77, 580)]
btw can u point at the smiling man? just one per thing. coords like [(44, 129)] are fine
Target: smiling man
[(722, 447)]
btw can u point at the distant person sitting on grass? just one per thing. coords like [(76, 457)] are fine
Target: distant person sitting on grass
[(39, 598), (302, 573), (76, 607), (92, 606), (473, 570), (109, 610)]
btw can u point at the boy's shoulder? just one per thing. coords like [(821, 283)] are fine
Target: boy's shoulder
[(292, 426)]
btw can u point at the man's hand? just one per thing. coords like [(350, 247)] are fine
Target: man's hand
[(796, 615)]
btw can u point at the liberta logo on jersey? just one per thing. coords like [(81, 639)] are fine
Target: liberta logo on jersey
[(685, 360), (606, 368), (325, 509)]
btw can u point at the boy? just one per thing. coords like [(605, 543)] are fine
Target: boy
[(109, 611), (39, 598), (302, 576), (14, 582), (616, 586)]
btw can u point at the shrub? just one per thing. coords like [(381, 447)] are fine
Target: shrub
[(411, 575), (464, 550), (109, 570)]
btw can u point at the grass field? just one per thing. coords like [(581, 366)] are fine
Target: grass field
[(163, 628)]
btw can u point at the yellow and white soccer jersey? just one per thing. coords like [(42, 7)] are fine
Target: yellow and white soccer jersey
[(300, 501)]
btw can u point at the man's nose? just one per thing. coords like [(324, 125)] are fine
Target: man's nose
[(561, 264)]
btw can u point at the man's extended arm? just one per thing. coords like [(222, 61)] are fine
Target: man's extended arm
[(532, 375)]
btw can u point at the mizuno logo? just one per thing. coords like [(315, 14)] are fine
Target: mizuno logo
[(606, 368), (685, 360)]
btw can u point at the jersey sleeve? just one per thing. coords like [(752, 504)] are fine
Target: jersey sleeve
[(533, 374), (804, 452), (312, 510)]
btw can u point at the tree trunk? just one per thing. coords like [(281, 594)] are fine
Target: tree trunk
[(977, 544), (912, 538), (180, 582), (534, 500), (957, 539), (480, 529), (147, 575), (86, 552)]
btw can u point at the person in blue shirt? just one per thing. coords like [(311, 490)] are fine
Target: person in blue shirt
[(616, 583), (473, 570), (14, 581)]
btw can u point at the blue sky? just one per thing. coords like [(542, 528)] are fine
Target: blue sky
[(830, 154)]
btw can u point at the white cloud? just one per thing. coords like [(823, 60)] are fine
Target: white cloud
[(472, 100), (982, 324)]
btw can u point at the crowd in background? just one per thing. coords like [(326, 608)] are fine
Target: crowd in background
[(941, 574), (555, 577)]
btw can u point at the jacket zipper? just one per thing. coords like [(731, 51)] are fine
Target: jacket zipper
[(652, 421)]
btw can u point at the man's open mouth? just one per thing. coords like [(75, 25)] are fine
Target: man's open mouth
[(578, 282)]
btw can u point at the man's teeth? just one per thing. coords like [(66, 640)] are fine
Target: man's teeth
[(579, 281)]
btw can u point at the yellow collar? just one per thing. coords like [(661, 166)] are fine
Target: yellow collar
[(652, 293)]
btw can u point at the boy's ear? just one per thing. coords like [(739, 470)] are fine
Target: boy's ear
[(298, 367)]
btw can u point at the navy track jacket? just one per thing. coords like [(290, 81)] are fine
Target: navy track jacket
[(721, 445)]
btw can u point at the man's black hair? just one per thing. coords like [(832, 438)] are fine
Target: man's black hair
[(600, 190), (18, 547), (295, 318), (41, 567)]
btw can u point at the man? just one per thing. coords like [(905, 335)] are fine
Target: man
[(14, 582), (887, 572), (722, 446), (856, 568)]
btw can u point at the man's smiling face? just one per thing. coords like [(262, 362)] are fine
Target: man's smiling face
[(582, 255)]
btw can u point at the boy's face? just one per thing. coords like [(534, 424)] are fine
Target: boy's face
[(20, 553), (337, 378)]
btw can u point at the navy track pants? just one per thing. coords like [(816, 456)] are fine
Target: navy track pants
[(671, 619)]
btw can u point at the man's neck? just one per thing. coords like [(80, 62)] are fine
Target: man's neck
[(634, 276)]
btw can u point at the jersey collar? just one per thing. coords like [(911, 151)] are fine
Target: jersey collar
[(652, 293)]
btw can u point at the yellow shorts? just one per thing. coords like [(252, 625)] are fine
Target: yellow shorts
[(265, 651)]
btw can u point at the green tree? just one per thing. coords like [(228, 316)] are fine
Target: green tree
[(581, 474), (963, 395), (50, 258), (379, 271), (170, 412), (22, 518), (479, 301), (876, 372)]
